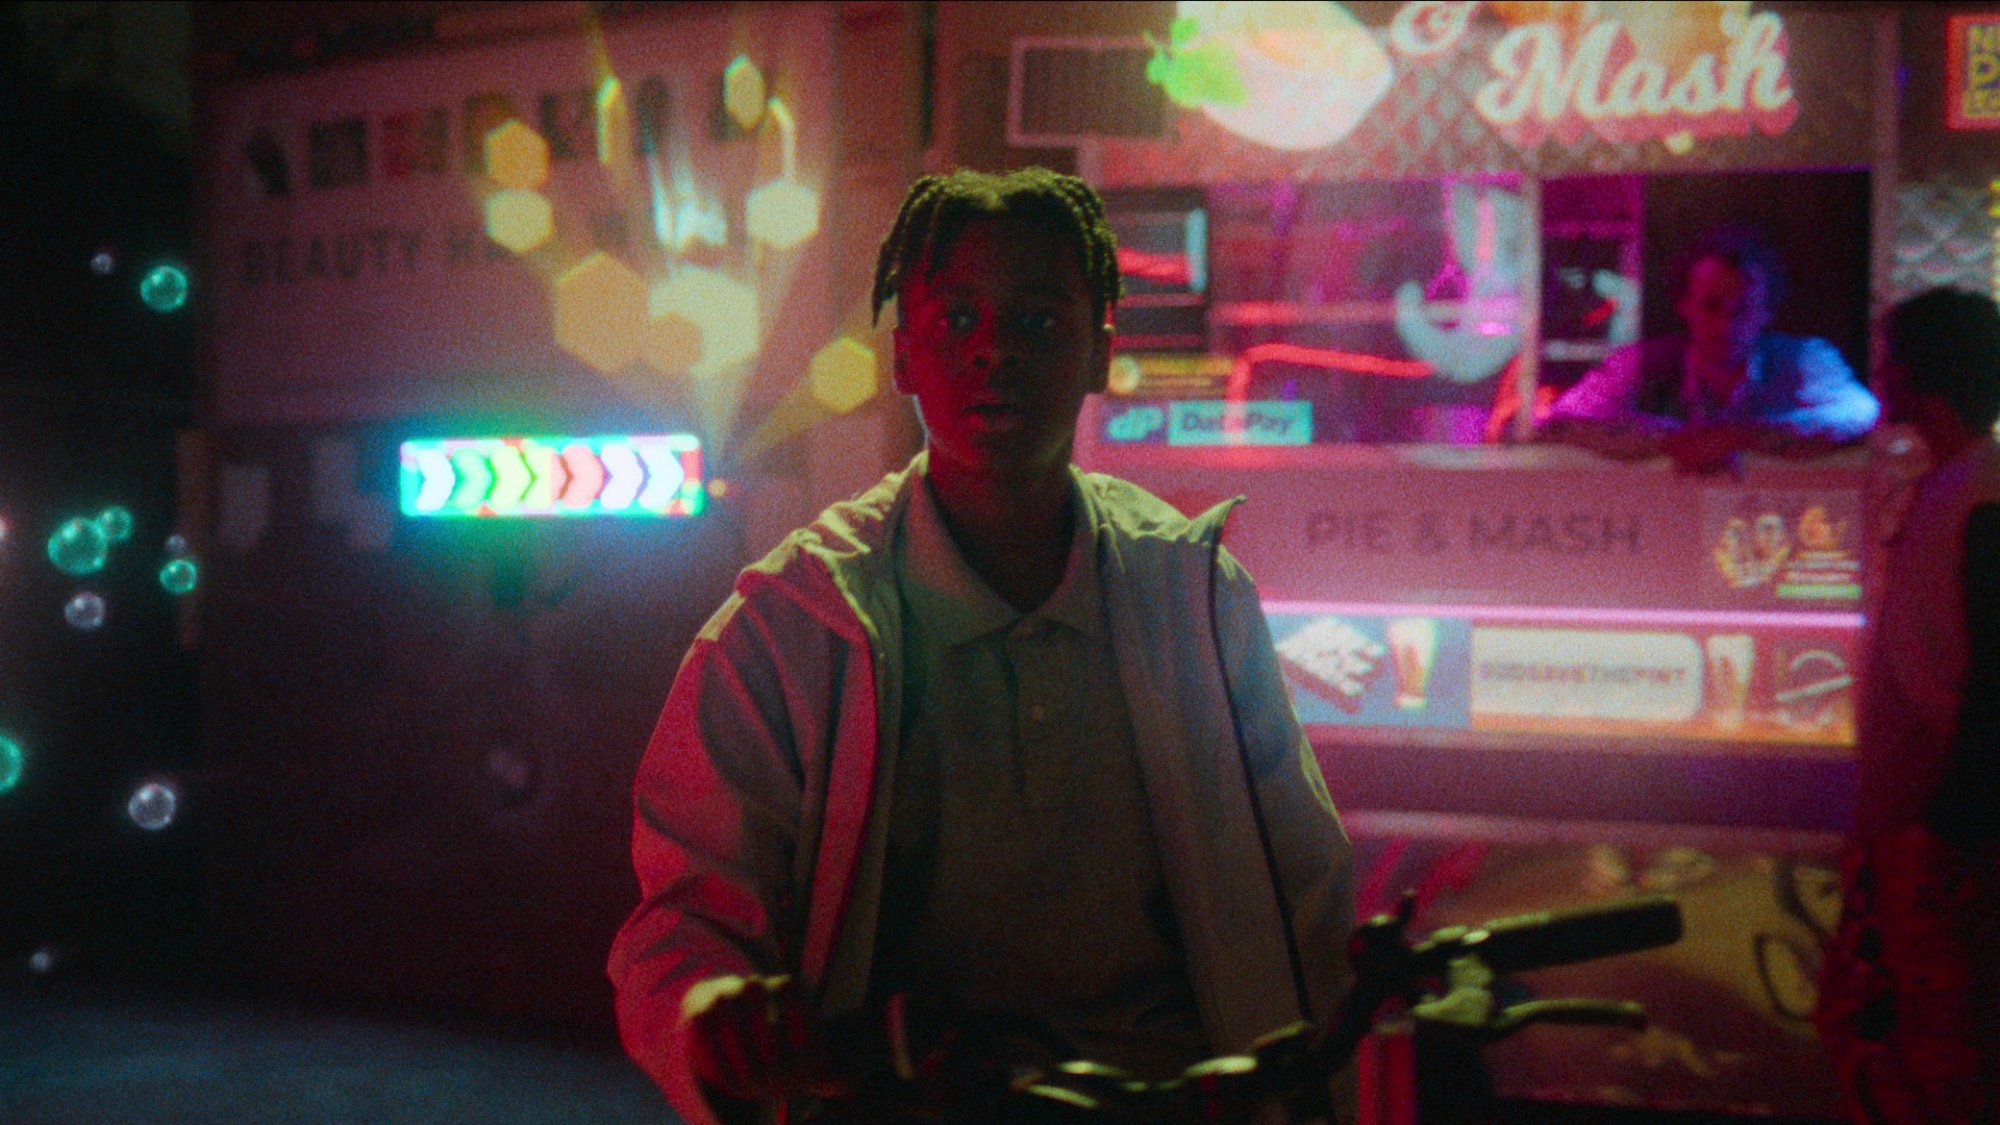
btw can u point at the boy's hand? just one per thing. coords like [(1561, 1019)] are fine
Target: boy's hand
[(756, 1039)]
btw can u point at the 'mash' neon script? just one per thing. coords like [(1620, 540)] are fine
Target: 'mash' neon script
[(1598, 78)]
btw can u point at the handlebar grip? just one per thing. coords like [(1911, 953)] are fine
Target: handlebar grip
[(1559, 937)]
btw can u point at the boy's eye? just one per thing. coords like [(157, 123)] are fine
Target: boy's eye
[(958, 320), (1042, 322)]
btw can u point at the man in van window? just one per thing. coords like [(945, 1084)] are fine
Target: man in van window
[(1725, 385)]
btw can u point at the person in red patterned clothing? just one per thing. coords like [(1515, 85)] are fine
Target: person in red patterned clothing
[(1910, 992)]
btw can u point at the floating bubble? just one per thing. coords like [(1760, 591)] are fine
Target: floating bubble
[(102, 263), (152, 805), (86, 611), (78, 547), (179, 576), (115, 523), (13, 762), (3, 531), (177, 545), (164, 288), (42, 961), (512, 771)]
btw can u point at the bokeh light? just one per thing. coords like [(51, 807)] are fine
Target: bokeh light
[(177, 545), (1126, 375), (724, 308), (599, 308), (153, 805), (179, 576), (614, 122), (670, 343), (782, 213), (164, 289), (13, 761), (519, 219), (78, 547), (516, 156), (103, 262), (115, 523), (743, 92), (86, 611), (842, 374), (43, 961)]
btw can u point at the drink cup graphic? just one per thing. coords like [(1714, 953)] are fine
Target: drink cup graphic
[(1412, 648), (1730, 657)]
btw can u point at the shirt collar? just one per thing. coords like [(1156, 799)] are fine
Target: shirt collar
[(960, 606)]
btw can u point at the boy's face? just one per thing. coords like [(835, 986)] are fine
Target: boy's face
[(999, 346)]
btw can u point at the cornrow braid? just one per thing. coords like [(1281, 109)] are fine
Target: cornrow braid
[(938, 207)]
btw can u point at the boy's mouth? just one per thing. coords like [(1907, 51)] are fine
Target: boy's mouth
[(998, 415)]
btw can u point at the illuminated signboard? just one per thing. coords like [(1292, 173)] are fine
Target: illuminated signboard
[(1302, 77), (1205, 422), (1972, 73), (1769, 678), (658, 475)]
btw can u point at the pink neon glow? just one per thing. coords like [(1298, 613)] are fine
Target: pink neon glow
[(586, 475), (1584, 615), (1162, 269), (1357, 362)]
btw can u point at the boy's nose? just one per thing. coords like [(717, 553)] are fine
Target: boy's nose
[(991, 350)]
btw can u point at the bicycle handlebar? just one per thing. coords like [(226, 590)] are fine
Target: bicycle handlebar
[(901, 1046), (1524, 942)]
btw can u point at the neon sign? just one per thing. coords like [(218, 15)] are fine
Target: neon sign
[(1972, 72), (1291, 76), (1628, 84), (1210, 422), (1304, 76), (657, 475)]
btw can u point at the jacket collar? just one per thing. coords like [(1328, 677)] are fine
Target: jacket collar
[(944, 588)]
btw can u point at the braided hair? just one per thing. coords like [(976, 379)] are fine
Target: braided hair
[(938, 209)]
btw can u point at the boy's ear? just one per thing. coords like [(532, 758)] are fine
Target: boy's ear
[(1100, 358)]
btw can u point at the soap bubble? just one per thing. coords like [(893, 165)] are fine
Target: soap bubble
[(85, 611), (78, 547), (152, 805), (103, 262), (42, 961), (177, 545), (13, 762), (512, 771), (115, 523), (178, 576), (164, 289)]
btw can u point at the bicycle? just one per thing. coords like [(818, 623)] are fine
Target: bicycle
[(912, 1065)]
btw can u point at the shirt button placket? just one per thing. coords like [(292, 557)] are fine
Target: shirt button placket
[(1029, 650)]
